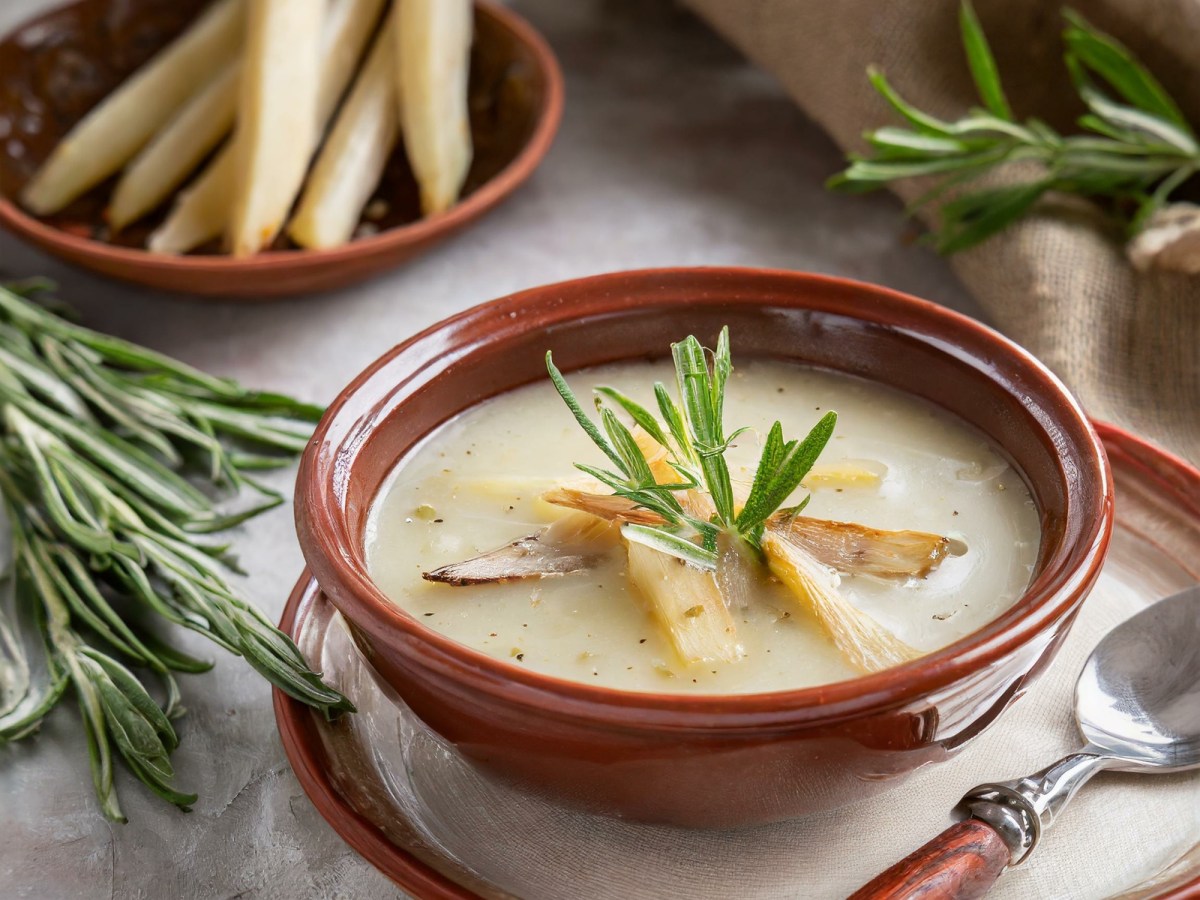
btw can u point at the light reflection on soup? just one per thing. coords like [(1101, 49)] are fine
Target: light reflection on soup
[(474, 485)]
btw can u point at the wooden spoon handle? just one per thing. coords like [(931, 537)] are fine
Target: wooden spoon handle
[(963, 862)]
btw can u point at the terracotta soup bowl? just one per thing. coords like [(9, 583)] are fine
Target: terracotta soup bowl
[(701, 760)]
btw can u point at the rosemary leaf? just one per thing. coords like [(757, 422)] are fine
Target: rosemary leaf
[(982, 63), (779, 475), (671, 544), (974, 217), (642, 416), (1110, 60), (569, 398), (114, 460), (1140, 147), (696, 451)]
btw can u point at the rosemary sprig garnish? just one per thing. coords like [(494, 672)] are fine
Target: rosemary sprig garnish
[(692, 434), (113, 463), (1138, 151)]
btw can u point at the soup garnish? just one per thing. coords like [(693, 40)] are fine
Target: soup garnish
[(696, 550)]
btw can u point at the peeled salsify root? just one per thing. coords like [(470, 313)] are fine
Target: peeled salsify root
[(848, 473), (687, 602), (165, 162), (111, 133), (277, 117), (433, 62), (352, 159), (201, 211), (865, 643)]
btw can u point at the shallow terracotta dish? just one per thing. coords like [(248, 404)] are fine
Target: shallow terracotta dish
[(54, 68), (697, 759)]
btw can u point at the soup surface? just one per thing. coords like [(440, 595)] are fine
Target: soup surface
[(474, 485)]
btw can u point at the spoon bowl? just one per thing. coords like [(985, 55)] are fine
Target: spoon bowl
[(1138, 698)]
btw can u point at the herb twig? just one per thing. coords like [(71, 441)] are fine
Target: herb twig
[(692, 434), (1138, 150), (116, 464)]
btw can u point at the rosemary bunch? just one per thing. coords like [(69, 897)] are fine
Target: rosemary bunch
[(1138, 150), (114, 465), (693, 436)]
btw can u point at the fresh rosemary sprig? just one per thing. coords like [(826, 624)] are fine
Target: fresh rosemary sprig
[(113, 460), (1139, 150), (693, 436)]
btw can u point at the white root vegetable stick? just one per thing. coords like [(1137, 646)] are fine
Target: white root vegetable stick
[(166, 161), (277, 117), (432, 68), (352, 158), (106, 138), (688, 604), (202, 211), (865, 644)]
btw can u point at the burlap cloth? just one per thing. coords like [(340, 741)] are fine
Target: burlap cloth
[(1057, 283)]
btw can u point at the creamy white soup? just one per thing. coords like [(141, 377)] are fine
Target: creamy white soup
[(894, 462)]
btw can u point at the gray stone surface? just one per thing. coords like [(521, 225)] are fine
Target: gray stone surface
[(672, 151)]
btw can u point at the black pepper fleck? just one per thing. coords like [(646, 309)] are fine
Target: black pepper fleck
[(438, 521), (429, 614), (520, 657), (642, 641)]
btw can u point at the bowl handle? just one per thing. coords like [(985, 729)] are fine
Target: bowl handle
[(963, 862)]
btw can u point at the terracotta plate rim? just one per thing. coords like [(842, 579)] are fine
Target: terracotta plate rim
[(300, 742)]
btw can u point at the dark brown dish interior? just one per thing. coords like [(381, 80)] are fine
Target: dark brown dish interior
[(56, 67)]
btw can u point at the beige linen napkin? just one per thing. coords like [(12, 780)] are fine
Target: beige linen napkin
[(1127, 343)]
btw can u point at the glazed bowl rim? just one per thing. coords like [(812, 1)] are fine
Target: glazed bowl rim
[(340, 568), (27, 226)]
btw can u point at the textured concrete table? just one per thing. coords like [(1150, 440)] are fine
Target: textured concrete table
[(673, 151)]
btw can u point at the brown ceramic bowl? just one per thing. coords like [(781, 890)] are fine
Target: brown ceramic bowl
[(56, 67), (710, 760)]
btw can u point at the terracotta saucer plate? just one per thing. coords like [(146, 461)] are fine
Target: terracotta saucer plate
[(416, 810)]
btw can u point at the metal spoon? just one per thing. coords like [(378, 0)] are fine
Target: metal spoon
[(1137, 703)]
